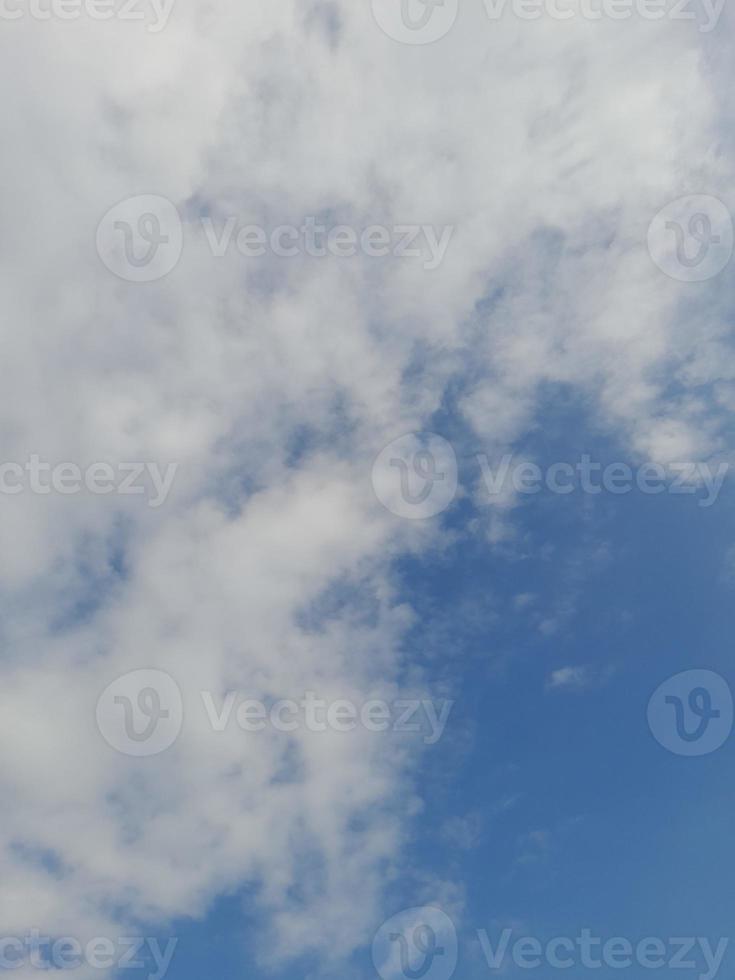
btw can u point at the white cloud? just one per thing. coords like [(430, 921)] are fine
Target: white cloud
[(577, 679)]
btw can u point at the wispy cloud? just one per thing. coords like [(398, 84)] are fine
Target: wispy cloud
[(578, 679)]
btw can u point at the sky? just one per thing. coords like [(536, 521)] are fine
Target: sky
[(365, 489)]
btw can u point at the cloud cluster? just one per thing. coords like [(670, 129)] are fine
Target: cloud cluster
[(274, 382)]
